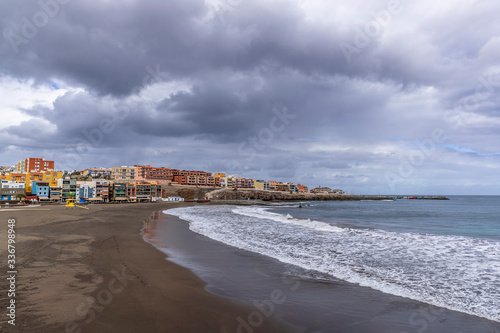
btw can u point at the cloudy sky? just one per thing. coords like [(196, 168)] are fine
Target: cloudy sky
[(372, 97)]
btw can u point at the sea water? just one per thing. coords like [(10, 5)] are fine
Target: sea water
[(444, 253)]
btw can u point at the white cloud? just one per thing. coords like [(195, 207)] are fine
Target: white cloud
[(16, 95)]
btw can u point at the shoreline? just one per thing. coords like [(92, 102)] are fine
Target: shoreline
[(92, 271), (342, 306)]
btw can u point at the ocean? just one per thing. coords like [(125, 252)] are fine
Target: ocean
[(442, 253)]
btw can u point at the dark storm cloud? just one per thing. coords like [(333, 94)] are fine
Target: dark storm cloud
[(230, 71), (335, 165), (108, 46)]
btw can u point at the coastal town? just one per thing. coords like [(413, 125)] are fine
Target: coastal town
[(37, 180)]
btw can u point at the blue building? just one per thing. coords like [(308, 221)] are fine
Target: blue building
[(84, 192), (41, 189)]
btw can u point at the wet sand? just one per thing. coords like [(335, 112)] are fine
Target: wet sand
[(310, 302), (91, 271)]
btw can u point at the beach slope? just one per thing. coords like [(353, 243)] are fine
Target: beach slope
[(91, 271)]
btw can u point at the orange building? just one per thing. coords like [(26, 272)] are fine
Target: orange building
[(243, 183), (273, 184), (143, 191), (302, 188), (287, 187), (34, 164), (193, 178), (149, 173)]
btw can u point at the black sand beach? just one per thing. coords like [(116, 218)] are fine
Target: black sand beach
[(307, 302), (91, 271)]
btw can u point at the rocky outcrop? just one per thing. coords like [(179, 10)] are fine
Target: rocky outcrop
[(285, 196), (187, 192), (216, 194)]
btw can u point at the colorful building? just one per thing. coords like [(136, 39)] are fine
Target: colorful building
[(144, 191), (55, 193), (287, 187), (12, 190), (52, 177), (227, 182), (243, 183), (32, 177), (101, 189), (302, 188), (193, 178), (261, 185), (33, 164), (68, 189), (273, 184), (149, 173), (97, 172), (16, 177), (119, 191), (123, 174), (85, 190), (219, 179), (41, 189)]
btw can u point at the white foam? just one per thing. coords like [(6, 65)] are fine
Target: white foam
[(263, 213), (459, 273)]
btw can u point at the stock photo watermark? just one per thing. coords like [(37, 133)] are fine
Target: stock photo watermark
[(423, 318), (263, 139), (366, 34), (460, 116), (31, 26), (416, 158), (11, 272), (223, 7), (267, 307), (457, 118), (94, 137), (88, 309)]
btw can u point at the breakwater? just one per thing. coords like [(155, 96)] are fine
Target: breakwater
[(231, 195)]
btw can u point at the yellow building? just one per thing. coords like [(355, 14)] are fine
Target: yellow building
[(229, 181), (219, 175), (123, 174), (52, 177), (28, 178), (32, 177), (16, 177), (261, 185), (20, 166)]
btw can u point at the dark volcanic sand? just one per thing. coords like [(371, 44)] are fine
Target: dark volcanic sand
[(315, 306), (91, 271)]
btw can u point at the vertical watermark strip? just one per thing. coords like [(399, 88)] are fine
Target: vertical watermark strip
[(11, 272)]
